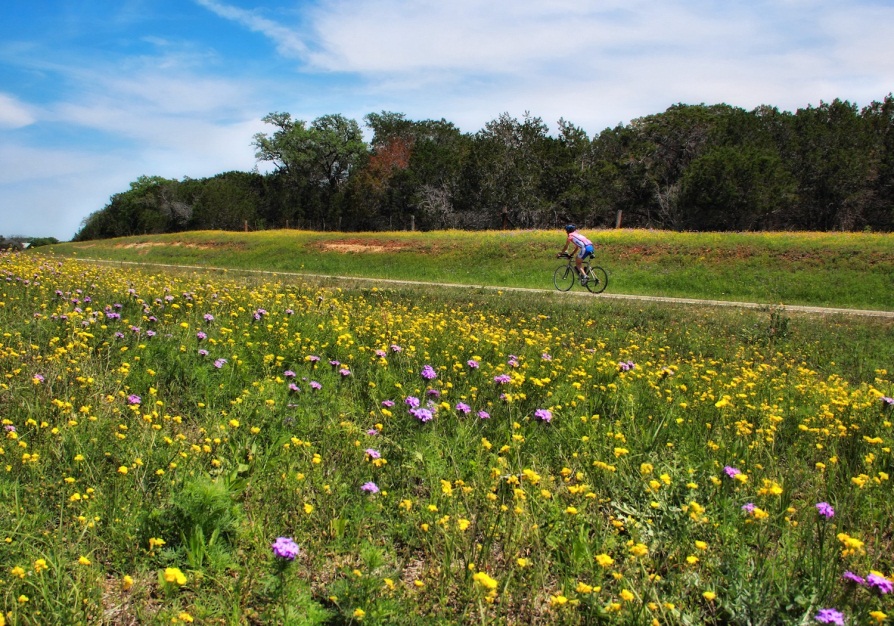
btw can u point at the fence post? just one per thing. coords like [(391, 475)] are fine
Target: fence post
[(618, 219)]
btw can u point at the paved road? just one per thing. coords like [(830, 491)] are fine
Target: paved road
[(583, 294)]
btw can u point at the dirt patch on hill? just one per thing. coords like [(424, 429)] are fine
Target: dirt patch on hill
[(354, 246), (210, 245)]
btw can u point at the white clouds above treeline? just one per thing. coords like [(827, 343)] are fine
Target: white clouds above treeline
[(175, 88)]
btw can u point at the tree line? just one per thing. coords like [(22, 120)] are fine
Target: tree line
[(692, 167)]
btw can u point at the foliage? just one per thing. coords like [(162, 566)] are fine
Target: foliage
[(693, 167), (585, 461)]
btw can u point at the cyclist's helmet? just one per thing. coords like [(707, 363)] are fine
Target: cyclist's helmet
[(570, 228)]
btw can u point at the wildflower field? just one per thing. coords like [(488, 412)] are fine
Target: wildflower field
[(198, 447)]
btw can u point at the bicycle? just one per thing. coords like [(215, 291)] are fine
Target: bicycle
[(566, 275)]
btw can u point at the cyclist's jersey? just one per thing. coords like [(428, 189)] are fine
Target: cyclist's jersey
[(579, 240)]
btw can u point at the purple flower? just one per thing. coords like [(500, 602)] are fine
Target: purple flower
[(294, 388), (853, 578), (38, 378), (285, 548), (502, 379), (208, 317), (315, 385), (290, 312), (829, 616), (423, 415), (313, 358), (463, 408), (112, 315), (825, 509), (888, 400), (334, 363), (219, 363), (411, 401), (119, 335), (373, 454), (345, 372), (543, 414), (748, 508), (434, 393), (428, 373), (626, 366), (396, 348), (134, 399), (472, 363), (259, 314), (387, 403), (9, 428), (546, 356), (200, 335), (879, 583), (370, 487), (732, 472), (203, 353), (150, 333), (289, 374), (372, 432), (483, 415), (380, 353)]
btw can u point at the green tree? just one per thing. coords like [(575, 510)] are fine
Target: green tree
[(735, 188)]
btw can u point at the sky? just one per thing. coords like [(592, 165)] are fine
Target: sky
[(96, 93)]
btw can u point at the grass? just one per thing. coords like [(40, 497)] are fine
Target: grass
[(847, 270), (637, 462)]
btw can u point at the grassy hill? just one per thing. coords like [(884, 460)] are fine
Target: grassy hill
[(850, 270)]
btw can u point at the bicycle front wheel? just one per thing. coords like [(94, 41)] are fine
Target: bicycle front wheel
[(564, 277), (597, 279)]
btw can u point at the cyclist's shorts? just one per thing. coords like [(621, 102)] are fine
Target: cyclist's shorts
[(583, 253)]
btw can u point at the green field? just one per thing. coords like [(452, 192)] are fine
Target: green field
[(850, 270), (441, 455)]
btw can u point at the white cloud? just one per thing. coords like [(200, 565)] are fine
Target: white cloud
[(14, 114), (287, 41)]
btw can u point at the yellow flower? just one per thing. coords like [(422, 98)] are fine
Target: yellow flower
[(40, 565), (878, 616), (183, 616), (571, 510), (84, 560), (709, 596), (174, 575), (558, 600), (604, 560), (359, 613), (23, 599), (639, 550), (308, 508), (626, 596), (701, 545), (122, 469), (523, 562), (583, 588), (692, 560), (126, 583), (485, 581), (155, 542), (17, 571)]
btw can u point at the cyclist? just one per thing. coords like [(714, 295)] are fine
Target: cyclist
[(583, 248)]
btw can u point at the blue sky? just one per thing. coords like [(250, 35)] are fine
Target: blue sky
[(94, 94)]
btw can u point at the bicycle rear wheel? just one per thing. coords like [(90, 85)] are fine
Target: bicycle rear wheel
[(597, 279), (564, 277)]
